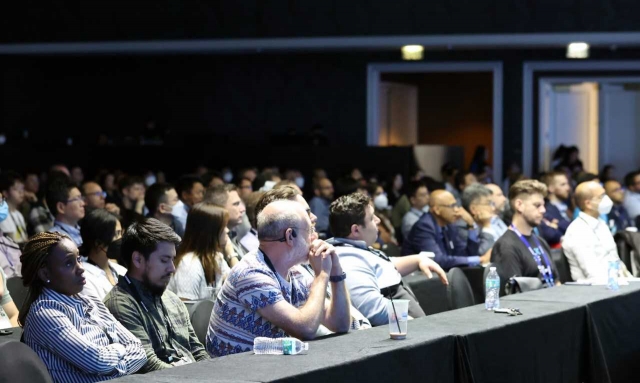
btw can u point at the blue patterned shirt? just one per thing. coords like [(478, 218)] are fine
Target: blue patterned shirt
[(79, 340), (72, 231), (251, 285)]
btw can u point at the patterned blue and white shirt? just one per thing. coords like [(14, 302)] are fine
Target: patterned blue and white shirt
[(79, 340), (251, 285)]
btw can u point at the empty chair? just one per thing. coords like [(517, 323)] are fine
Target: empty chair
[(459, 290), (17, 290), (21, 364), (562, 264), (200, 317), (430, 293)]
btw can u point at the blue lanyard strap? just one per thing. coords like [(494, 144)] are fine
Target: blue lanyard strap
[(547, 273)]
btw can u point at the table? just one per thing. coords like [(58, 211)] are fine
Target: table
[(567, 334)]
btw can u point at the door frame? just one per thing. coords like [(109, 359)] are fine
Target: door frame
[(528, 71), (374, 71)]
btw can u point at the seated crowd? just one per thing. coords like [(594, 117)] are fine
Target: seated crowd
[(111, 263)]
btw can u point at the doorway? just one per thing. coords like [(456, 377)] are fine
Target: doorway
[(381, 127)]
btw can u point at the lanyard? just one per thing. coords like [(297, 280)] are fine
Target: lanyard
[(272, 268), (546, 272)]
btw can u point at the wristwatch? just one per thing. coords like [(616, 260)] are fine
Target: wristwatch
[(338, 278)]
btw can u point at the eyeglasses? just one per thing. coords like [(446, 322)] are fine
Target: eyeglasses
[(452, 206), (490, 203), (102, 194), (76, 199)]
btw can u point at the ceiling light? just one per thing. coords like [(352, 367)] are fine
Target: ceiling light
[(578, 50), (412, 52)]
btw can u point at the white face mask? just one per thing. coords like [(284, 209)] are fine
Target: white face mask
[(605, 205), (227, 177), (381, 202), (150, 180), (300, 182)]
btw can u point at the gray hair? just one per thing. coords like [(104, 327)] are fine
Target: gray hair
[(272, 225), (473, 193)]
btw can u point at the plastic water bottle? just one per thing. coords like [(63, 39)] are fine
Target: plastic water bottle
[(492, 290), (278, 346), (614, 273)]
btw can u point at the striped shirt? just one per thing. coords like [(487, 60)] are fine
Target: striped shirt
[(79, 340), (251, 285)]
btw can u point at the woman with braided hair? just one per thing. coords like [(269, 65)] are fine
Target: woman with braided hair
[(75, 336)]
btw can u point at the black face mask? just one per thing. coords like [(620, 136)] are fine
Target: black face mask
[(113, 251)]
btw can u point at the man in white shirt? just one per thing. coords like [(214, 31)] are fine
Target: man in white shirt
[(419, 199), (588, 243)]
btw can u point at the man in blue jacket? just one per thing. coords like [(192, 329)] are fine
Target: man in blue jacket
[(556, 218), (436, 232)]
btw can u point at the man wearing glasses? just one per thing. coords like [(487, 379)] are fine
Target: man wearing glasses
[(67, 205), (477, 199), (94, 198), (436, 232)]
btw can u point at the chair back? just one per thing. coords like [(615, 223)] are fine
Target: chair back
[(21, 364), (459, 290), (430, 292), (562, 264), (623, 241), (200, 317), (17, 290)]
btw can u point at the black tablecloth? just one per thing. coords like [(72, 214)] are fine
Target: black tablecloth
[(567, 334)]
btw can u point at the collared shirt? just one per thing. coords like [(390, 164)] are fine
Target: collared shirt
[(632, 203), (367, 274), (10, 257), (320, 208), (251, 285), (411, 218), (79, 340), (498, 227), (589, 246), (72, 231), (180, 211), (250, 241), (619, 219), (98, 284), (40, 219), (146, 325)]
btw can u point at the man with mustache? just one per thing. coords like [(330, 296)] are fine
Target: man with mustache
[(142, 304)]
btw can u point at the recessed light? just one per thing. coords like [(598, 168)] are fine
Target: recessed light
[(578, 50), (412, 52)]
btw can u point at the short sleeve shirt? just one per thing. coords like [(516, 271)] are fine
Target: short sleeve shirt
[(6, 298), (251, 285)]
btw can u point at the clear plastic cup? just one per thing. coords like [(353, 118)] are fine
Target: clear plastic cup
[(212, 293), (398, 311)]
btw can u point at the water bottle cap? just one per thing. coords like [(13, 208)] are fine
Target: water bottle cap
[(492, 268), (305, 346)]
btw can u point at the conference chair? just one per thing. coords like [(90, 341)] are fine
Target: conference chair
[(200, 318), (430, 293), (21, 364), (459, 291), (562, 264), (17, 290)]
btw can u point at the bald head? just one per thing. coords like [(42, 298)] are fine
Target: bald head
[(274, 220), (94, 197), (439, 197), (444, 207), (585, 192)]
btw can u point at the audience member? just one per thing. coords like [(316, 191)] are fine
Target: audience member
[(200, 265), (618, 218), (244, 188), (75, 336), (268, 290), (95, 198), (31, 190), (588, 243), (520, 252), (142, 304), (462, 180), (502, 210), (108, 183), (12, 189), (8, 310), (557, 214), (250, 240), (99, 229), (67, 205), (9, 249), (397, 185), (476, 200), (161, 199), (284, 183), (607, 173), (132, 200), (449, 172), (419, 198), (373, 276), (436, 232), (226, 196), (632, 196), (319, 204), (212, 179), (190, 191)]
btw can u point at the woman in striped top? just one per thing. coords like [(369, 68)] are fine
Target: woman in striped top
[(75, 336)]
